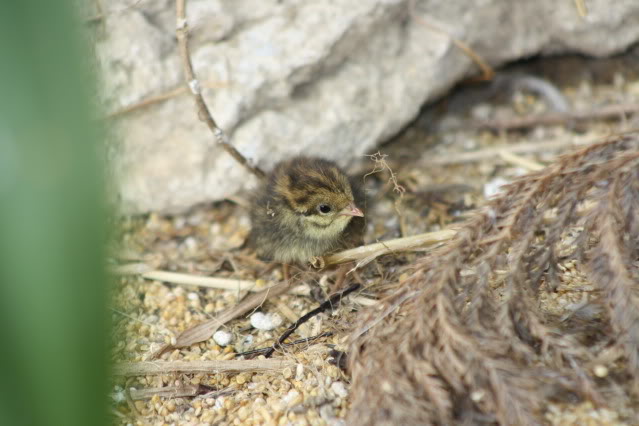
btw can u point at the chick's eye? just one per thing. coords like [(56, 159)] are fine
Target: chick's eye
[(324, 208)]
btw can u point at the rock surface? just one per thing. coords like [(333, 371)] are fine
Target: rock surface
[(288, 77)]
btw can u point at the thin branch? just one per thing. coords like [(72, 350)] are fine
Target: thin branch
[(211, 367), (182, 33)]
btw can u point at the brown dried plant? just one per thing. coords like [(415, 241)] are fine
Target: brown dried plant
[(465, 338)]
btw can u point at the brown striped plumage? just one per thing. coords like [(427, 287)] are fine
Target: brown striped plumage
[(308, 208)]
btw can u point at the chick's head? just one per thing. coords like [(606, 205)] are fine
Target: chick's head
[(320, 193)]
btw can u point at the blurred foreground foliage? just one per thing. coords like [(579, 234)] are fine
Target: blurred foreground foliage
[(52, 222)]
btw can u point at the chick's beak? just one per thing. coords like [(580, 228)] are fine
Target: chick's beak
[(351, 210)]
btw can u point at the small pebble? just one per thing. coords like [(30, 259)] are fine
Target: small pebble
[(299, 372), (291, 398), (219, 403), (222, 338), (266, 322), (339, 389), (601, 370), (494, 186), (287, 373), (243, 413), (118, 395), (248, 340), (477, 395)]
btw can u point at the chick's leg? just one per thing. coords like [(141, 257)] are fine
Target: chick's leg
[(342, 275), (286, 271)]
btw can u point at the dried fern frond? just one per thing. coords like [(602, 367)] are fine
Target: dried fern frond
[(468, 340)]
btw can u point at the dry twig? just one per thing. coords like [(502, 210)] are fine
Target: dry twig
[(182, 33), (369, 252), (380, 166), (209, 367), (201, 281), (230, 284), (183, 391)]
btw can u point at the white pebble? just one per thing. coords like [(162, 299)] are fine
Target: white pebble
[(299, 372), (190, 244), (219, 403), (118, 395), (265, 321), (339, 389), (494, 186), (601, 371), (222, 338), (290, 396), (248, 340), (477, 395), (481, 111)]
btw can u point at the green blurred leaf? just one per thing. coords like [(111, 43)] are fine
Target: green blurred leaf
[(52, 222)]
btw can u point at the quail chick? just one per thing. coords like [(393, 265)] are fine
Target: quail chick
[(307, 208)]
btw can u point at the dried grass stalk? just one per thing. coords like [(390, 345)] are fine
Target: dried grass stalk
[(460, 343), (212, 367), (365, 254), (183, 391), (201, 281)]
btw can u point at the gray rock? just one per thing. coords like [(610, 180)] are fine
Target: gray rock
[(314, 77)]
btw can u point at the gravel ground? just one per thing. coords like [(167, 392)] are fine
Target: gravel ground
[(441, 187)]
